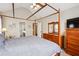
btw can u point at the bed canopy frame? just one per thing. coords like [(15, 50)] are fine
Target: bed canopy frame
[(42, 6)]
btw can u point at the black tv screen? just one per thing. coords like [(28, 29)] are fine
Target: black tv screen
[(73, 23)]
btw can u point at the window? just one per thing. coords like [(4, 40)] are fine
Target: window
[(0, 24)]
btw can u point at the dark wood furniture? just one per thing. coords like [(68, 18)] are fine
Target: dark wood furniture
[(52, 37), (72, 41)]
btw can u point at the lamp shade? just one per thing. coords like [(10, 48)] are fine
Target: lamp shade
[(24, 31), (3, 29)]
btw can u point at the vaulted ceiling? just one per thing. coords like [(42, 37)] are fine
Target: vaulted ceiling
[(7, 7)]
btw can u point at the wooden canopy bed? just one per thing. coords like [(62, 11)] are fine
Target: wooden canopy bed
[(42, 6)]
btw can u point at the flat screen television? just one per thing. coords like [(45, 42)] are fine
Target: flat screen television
[(73, 23)]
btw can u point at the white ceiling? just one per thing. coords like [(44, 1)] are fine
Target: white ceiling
[(62, 6), (4, 7)]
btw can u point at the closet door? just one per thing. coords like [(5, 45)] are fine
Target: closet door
[(22, 29)]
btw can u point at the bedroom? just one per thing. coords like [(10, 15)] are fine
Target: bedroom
[(14, 25)]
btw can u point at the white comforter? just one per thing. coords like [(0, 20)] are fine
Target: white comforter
[(29, 46)]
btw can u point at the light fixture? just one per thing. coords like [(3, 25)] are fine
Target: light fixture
[(24, 31), (3, 29), (36, 5), (33, 5)]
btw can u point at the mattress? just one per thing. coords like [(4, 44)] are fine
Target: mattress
[(29, 46)]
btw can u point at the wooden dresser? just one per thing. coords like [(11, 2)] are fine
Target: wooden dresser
[(51, 37), (72, 41)]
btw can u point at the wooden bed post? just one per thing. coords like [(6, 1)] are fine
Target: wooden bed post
[(59, 35)]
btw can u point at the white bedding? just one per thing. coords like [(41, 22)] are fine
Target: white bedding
[(29, 46)]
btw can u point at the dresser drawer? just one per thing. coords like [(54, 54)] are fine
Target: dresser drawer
[(73, 37), (56, 40), (72, 41), (73, 47), (71, 52), (75, 42), (51, 37), (45, 36), (73, 30), (48, 36), (73, 34)]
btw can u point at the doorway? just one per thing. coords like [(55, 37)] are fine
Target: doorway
[(22, 29), (39, 29), (34, 29)]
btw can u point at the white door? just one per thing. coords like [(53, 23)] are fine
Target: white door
[(39, 29), (22, 29)]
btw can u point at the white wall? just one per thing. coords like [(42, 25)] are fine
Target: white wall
[(13, 28), (67, 14), (12, 25), (70, 13), (45, 22)]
